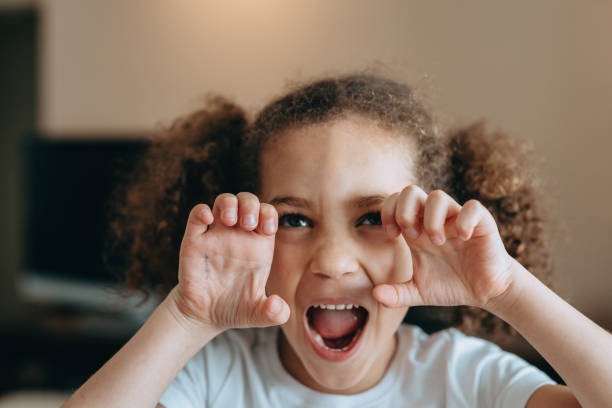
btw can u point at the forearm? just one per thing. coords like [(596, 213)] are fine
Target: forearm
[(145, 366), (578, 349)]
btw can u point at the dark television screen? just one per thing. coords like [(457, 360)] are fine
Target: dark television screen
[(67, 185)]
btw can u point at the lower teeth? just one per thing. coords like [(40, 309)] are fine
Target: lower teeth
[(319, 340)]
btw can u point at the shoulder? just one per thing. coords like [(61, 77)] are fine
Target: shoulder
[(476, 371), (443, 344), (463, 353), (450, 342)]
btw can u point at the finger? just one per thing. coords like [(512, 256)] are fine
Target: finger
[(438, 207), (387, 215), (268, 219), (225, 209), (398, 294), (248, 210), (199, 219), (271, 311), (410, 207), (471, 215)]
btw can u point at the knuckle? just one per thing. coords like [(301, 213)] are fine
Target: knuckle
[(403, 219), (431, 229), (388, 208), (248, 200), (267, 210), (391, 200), (436, 195), (245, 195), (475, 204), (225, 196), (462, 228), (225, 199), (411, 188), (199, 211)]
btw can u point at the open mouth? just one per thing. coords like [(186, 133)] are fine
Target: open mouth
[(335, 329)]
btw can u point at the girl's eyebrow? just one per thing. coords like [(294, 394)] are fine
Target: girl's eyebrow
[(358, 202)]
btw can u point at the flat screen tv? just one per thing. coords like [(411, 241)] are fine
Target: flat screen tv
[(67, 185)]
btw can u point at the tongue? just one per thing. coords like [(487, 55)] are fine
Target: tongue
[(332, 324)]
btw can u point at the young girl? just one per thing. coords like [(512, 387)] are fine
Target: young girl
[(329, 215)]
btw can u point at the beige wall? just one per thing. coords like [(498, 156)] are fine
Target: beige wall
[(538, 69)]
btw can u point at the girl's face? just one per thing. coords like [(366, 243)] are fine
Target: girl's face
[(327, 182)]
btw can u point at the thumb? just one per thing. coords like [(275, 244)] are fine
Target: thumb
[(398, 294), (271, 311)]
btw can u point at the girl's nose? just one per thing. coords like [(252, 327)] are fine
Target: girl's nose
[(334, 260)]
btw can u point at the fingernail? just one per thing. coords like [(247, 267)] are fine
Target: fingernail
[(275, 307), (249, 220), (269, 227), (391, 230), (411, 233), (436, 240), (229, 214)]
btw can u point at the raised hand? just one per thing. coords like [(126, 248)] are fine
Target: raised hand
[(458, 257), (225, 261)]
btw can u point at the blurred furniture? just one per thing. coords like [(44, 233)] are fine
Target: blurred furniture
[(33, 399)]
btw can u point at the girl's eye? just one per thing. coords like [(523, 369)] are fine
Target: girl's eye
[(293, 221), (372, 218), (298, 220)]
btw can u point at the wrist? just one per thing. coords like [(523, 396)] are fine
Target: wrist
[(503, 303), (174, 305)]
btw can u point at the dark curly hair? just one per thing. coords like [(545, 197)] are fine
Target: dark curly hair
[(217, 149)]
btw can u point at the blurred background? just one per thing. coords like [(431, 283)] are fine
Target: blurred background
[(85, 82)]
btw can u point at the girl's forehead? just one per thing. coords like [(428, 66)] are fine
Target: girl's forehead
[(348, 135), (351, 154)]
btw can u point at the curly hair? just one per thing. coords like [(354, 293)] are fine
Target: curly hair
[(217, 149)]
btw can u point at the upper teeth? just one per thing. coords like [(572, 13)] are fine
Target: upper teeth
[(337, 307)]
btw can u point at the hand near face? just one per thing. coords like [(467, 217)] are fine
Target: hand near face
[(225, 261), (458, 257)]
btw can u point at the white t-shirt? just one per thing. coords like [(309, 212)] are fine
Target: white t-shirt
[(242, 368)]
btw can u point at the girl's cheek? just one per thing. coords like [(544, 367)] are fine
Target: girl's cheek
[(374, 235), (285, 268), (278, 282), (389, 263), (288, 236)]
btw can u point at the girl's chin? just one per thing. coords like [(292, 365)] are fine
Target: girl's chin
[(333, 379), (326, 370), (321, 374)]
